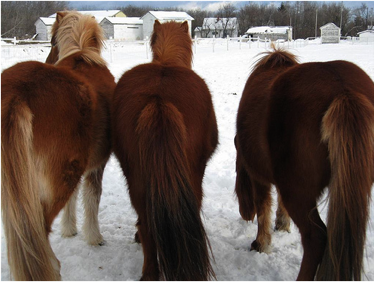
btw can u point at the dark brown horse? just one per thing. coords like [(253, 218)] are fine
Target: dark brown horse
[(304, 127), (55, 127), (164, 133)]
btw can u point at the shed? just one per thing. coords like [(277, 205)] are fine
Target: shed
[(218, 27), (43, 28), (366, 36), (270, 32), (162, 17), (124, 28), (330, 33)]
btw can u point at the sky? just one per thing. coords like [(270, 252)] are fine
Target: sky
[(190, 5)]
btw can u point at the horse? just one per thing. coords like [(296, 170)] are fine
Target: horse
[(55, 127), (164, 132), (92, 188), (305, 127)]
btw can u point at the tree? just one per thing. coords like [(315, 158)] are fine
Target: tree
[(18, 17)]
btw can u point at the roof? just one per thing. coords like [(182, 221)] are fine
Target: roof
[(167, 15), (47, 21), (96, 14), (366, 31), (329, 25), (219, 23), (124, 20), (268, 30)]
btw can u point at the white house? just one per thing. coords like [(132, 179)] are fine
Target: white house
[(330, 33), (218, 27), (122, 28), (273, 33), (162, 16), (43, 28)]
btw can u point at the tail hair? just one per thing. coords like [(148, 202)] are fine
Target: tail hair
[(29, 251), (348, 128), (172, 208)]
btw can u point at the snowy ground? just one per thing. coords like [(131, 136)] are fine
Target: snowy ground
[(121, 258)]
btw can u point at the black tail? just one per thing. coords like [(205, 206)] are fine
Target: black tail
[(172, 208)]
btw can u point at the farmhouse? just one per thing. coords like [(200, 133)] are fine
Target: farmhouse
[(43, 25), (217, 27), (330, 33), (122, 28), (162, 16), (272, 33)]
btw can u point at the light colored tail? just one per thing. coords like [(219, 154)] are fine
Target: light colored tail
[(348, 128), (29, 253)]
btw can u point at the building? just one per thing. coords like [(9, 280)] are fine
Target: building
[(122, 28), (43, 25), (217, 27), (330, 33), (162, 16), (272, 33), (367, 36), (43, 28)]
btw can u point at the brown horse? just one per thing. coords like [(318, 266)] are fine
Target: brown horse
[(164, 133), (55, 127), (304, 127)]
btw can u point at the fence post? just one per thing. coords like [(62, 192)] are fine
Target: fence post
[(213, 44), (258, 41), (14, 40), (195, 44), (240, 41), (227, 42), (110, 51), (146, 40)]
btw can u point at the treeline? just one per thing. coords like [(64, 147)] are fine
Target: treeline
[(18, 17)]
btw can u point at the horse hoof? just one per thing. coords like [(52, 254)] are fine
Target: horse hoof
[(102, 243), (69, 235), (255, 246)]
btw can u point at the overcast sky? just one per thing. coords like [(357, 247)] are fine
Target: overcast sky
[(203, 5)]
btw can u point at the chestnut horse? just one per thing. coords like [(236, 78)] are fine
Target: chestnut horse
[(55, 127), (164, 132), (303, 127)]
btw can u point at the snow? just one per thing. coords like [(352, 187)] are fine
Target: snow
[(225, 72), (170, 15)]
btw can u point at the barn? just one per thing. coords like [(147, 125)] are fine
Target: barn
[(330, 33), (162, 17), (43, 28), (128, 28), (269, 32)]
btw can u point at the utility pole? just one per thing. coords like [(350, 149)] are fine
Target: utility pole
[(316, 23)]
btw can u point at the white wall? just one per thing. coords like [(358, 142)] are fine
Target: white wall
[(128, 32)]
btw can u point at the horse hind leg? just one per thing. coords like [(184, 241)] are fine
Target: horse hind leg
[(282, 222), (92, 190), (263, 203), (68, 221)]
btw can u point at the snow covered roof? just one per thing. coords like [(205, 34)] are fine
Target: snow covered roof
[(97, 14), (268, 30), (329, 25), (47, 21), (124, 20), (219, 23), (167, 15), (366, 31)]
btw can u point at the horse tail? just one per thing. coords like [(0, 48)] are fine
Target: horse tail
[(172, 208), (29, 251), (348, 128)]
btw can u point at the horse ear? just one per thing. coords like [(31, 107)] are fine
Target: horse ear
[(59, 16), (185, 26), (156, 24)]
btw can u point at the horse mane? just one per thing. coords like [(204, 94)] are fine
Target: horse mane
[(74, 33), (171, 44), (276, 58)]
